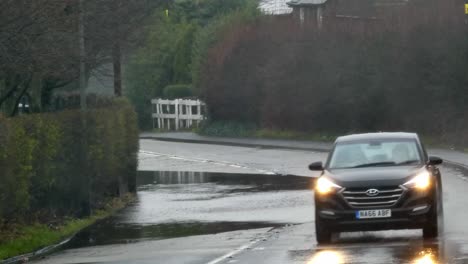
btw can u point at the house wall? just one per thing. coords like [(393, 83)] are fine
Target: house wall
[(368, 14), (309, 15)]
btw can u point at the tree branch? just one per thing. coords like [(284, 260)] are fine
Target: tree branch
[(11, 91)]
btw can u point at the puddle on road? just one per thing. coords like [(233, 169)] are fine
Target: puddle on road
[(110, 232), (180, 204), (261, 182)]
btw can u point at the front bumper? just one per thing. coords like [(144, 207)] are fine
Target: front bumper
[(412, 211)]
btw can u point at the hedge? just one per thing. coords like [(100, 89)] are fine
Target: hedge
[(177, 91), (66, 163), (406, 72)]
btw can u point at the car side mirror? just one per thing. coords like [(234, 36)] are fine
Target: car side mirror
[(316, 166), (435, 160)]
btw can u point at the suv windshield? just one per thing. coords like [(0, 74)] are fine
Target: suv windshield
[(374, 153)]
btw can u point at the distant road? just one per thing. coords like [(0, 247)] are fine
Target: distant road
[(175, 156)]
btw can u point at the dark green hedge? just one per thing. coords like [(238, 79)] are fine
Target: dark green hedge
[(177, 91), (66, 163), (347, 78)]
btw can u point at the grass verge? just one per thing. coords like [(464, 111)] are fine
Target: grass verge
[(239, 130), (235, 129), (23, 239), (296, 135)]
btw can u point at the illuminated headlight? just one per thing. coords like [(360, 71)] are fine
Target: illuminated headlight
[(422, 181), (325, 186)]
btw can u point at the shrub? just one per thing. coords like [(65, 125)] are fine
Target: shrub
[(66, 163), (353, 77), (228, 129), (177, 91)]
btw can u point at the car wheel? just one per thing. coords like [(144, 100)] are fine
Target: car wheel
[(431, 228), (322, 231)]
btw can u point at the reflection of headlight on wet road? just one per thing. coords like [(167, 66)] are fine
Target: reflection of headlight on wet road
[(327, 257), (425, 258)]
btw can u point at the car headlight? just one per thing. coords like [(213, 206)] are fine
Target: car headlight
[(325, 186), (422, 181)]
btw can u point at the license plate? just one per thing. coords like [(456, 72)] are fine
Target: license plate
[(383, 213)]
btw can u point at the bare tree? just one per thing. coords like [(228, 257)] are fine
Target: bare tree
[(36, 43), (113, 27), (39, 43)]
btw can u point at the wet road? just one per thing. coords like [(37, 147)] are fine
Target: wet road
[(172, 156), (210, 218)]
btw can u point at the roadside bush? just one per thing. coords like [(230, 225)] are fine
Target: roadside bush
[(73, 101), (208, 48), (228, 129), (174, 47), (177, 91), (404, 72), (66, 163)]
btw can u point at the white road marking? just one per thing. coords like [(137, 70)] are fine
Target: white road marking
[(232, 253), (222, 163), (258, 249), (462, 177)]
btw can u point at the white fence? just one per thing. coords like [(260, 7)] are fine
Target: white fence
[(178, 113)]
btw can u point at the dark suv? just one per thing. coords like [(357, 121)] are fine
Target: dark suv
[(378, 181)]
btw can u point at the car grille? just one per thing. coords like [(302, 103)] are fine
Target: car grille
[(358, 198)]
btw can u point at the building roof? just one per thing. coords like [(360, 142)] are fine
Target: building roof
[(354, 8), (306, 2), (377, 136)]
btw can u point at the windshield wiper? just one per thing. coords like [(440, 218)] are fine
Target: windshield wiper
[(375, 164)]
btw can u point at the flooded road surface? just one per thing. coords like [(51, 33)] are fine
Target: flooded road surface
[(190, 217), (228, 218), (179, 204), (211, 218)]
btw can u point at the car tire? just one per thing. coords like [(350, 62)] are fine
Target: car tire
[(431, 228), (322, 231)]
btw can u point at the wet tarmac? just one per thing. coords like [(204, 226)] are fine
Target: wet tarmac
[(212, 218), (181, 204), (296, 244), (401, 250)]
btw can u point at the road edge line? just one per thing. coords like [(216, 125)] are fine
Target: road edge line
[(221, 163), (235, 144), (238, 250)]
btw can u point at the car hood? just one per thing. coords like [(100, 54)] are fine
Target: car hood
[(373, 177)]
